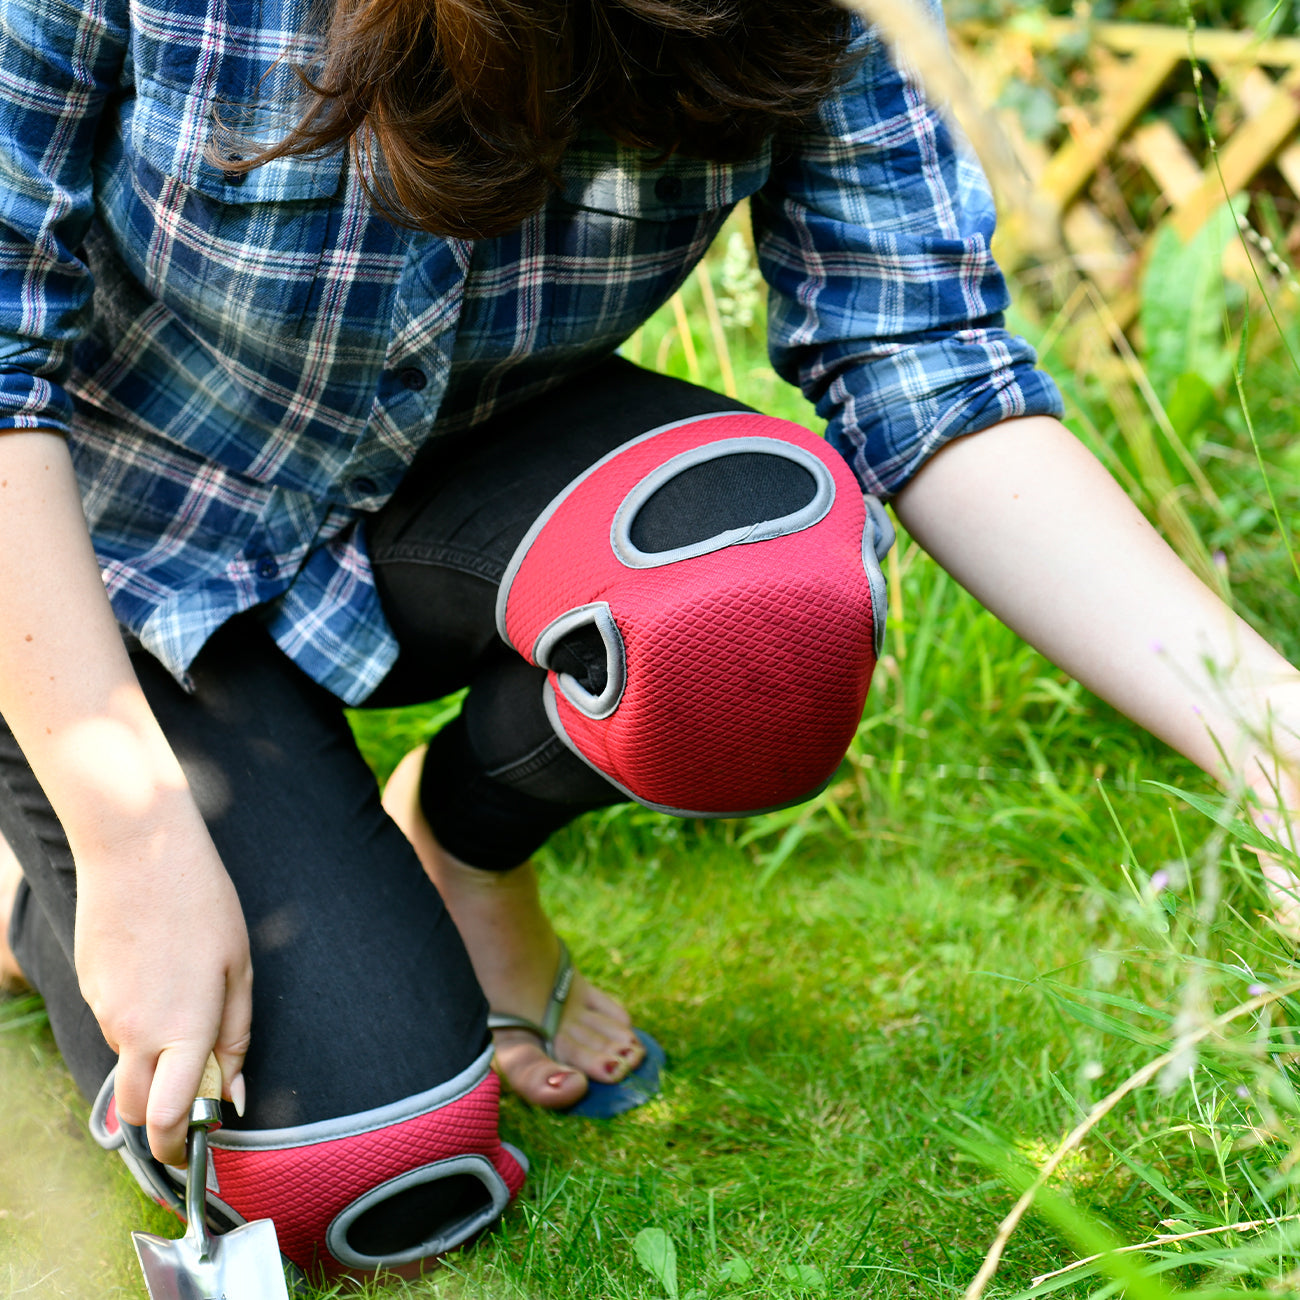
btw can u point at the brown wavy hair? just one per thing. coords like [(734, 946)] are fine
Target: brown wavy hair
[(458, 111)]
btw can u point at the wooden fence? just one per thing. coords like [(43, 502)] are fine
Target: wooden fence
[(1158, 125)]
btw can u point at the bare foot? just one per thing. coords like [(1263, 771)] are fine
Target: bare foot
[(515, 952), (11, 975)]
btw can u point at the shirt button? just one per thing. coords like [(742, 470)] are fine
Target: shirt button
[(267, 568), (668, 188), (367, 487), (413, 378)]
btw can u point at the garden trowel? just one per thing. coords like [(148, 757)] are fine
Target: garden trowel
[(243, 1264)]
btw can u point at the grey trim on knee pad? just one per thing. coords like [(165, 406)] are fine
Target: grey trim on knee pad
[(516, 561), (336, 1237), (305, 1135), (877, 537), (366, 1121)]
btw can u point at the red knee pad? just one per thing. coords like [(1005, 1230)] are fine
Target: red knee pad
[(714, 588), (385, 1189)]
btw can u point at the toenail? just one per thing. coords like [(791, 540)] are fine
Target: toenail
[(556, 1079), (611, 1067)]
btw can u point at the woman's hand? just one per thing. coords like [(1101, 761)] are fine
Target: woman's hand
[(1272, 779), (162, 956)]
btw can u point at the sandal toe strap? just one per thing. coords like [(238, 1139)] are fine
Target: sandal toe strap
[(498, 1020), (550, 1024)]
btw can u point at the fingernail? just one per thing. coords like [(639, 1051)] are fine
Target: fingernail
[(556, 1079), (238, 1094)]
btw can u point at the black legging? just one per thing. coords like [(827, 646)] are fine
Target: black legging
[(498, 780), (363, 987)]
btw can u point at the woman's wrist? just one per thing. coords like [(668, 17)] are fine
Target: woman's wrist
[(1255, 733), (111, 777)]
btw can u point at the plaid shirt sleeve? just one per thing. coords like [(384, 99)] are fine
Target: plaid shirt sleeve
[(58, 64), (873, 233)]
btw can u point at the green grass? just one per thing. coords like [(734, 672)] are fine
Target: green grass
[(830, 1032), (884, 1009), (66, 1209)]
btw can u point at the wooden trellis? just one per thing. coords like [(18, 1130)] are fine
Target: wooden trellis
[(1115, 137)]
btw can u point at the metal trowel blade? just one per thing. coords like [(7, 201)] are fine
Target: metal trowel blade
[(243, 1264)]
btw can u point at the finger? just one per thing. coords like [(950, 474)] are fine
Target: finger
[(175, 1085), (131, 1083), (1283, 889), (234, 1034)]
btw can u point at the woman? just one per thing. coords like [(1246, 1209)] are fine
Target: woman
[(268, 368)]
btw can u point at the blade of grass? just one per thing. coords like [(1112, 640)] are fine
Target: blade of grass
[(1108, 1103)]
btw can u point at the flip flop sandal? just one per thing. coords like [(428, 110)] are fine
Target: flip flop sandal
[(601, 1100)]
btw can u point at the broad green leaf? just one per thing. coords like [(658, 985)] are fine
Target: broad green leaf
[(735, 1270), (1183, 304), (806, 1277), (1191, 403), (1099, 1020), (658, 1256)]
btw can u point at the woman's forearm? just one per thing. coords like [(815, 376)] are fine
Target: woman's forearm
[(1025, 518), (67, 689), (161, 949)]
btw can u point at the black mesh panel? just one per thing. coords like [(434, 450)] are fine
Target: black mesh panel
[(583, 656), (415, 1214), (727, 492)]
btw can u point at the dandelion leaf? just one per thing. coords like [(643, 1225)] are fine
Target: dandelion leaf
[(1182, 312), (654, 1249)]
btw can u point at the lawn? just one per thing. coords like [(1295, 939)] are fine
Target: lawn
[(887, 1008)]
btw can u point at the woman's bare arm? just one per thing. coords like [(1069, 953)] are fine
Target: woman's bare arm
[(1027, 519), (161, 948)]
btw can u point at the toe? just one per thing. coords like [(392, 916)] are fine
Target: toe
[(596, 1035), (538, 1079), (11, 975), (599, 1003), (603, 1049)]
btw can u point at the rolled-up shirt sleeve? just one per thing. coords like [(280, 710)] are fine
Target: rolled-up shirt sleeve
[(886, 306), (60, 61)]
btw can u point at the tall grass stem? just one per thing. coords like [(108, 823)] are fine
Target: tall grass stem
[(721, 350), (1149, 1071), (687, 340)]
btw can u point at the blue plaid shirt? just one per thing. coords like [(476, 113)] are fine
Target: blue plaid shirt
[(245, 365)]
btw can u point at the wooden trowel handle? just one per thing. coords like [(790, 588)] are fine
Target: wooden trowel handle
[(205, 1113), (210, 1083)]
